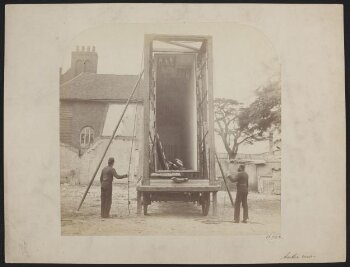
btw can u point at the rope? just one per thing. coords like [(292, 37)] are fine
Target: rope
[(132, 142), (132, 145)]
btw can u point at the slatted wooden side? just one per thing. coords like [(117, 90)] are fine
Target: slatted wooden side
[(146, 112), (201, 88), (66, 115), (199, 124), (152, 115), (210, 108)]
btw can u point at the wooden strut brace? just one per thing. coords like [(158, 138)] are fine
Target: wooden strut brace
[(224, 177), (111, 139)]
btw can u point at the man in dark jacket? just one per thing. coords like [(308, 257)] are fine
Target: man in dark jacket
[(242, 192), (106, 180)]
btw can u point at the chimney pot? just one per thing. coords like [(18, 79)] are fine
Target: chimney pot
[(93, 49), (88, 48)]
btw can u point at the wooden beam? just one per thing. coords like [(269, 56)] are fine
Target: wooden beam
[(167, 185), (203, 47), (215, 203), (196, 188), (209, 50), (173, 51), (202, 79), (146, 110), (139, 203), (181, 45), (169, 37)]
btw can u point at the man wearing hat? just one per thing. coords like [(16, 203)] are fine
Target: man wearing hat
[(241, 178), (106, 180)]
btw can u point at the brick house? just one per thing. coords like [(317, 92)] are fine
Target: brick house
[(90, 106)]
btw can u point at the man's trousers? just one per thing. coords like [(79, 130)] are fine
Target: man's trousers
[(241, 197), (106, 200)]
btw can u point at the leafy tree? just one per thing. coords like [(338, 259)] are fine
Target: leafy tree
[(236, 124)]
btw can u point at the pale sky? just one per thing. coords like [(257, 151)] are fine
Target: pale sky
[(243, 57)]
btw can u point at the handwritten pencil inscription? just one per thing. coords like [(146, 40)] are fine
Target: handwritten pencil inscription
[(295, 256), (273, 236)]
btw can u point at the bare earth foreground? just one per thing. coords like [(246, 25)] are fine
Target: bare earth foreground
[(165, 218)]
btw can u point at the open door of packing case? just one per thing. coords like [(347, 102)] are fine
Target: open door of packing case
[(178, 118)]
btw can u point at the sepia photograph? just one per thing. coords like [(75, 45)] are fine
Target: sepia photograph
[(174, 133), (150, 144)]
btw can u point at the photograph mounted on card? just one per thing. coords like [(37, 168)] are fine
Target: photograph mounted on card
[(153, 128), (168, 125)]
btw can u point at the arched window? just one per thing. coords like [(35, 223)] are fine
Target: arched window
[(87, 135)]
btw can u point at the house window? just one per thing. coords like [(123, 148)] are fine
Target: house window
[(87, 136)]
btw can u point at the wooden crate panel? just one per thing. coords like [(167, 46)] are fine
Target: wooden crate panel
[(162, 185)]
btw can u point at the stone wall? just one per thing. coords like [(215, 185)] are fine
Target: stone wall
[(270, 168), (69, 164), (77, 165), (119, 149), (79, 170)]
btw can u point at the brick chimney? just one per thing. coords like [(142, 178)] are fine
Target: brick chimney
[(84, 60)]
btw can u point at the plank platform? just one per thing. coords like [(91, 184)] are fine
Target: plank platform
[(167, 185)]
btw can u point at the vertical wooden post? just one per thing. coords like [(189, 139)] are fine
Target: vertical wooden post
[(146, 112), (212, 174), (203, 111), (215, 203), (139, 203), (139, 145)]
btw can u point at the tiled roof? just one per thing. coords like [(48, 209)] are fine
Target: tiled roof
[(92, 86)]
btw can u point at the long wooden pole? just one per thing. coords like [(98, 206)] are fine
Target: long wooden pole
[(224, 177), (111, 139)]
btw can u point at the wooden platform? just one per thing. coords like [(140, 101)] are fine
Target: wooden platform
[(167, 185)]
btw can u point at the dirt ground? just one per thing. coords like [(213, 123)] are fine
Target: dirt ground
[(165, 218)]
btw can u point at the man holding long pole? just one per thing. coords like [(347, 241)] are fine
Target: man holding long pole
[(241, 178), (106, 180), (111, 139)]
